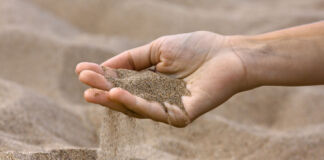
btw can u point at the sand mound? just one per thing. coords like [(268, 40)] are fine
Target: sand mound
[(210, 137), (30, 122), (288, 109), (42, 41)]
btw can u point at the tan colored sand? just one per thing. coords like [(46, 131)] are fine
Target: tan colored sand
[(41, 42), (64, 154), (33, 122), (118, 136), (119, 132), (151, 86), (149, 19)]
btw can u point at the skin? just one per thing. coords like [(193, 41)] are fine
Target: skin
[(215, 67)]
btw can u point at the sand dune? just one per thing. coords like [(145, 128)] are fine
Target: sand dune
[(33, 122), (43, 114), (147, 19)]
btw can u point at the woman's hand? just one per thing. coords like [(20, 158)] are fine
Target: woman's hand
[(214, 67), (204, 60)]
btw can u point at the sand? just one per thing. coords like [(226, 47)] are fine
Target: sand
[(68, 154), (118, 136), (119, 132), (42, 112), (150, 85)]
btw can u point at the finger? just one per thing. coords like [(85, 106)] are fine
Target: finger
[(97, 96), (151, 110), (95, 80), (88, 66), (101, 97), (137, 58)]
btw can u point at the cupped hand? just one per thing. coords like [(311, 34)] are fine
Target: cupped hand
[(204, 60)]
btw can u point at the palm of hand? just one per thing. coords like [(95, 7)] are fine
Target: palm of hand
[(212, 71)]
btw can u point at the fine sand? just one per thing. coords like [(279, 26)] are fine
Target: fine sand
[(43, 114), (150, 85)]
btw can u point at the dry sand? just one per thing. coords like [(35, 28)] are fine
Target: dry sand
[(150, 85), (43, 115)]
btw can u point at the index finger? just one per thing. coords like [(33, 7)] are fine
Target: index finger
[(136, 59)]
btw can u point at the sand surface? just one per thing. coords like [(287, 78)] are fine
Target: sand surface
[(43, 114), (150, 85)]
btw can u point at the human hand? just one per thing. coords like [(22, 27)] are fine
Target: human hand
[(204, 60)]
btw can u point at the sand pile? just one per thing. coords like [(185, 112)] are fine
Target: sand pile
[(30, 122), (41, 41), (152, 86)]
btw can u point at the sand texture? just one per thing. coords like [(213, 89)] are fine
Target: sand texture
[(150, 85), (68, 154), (43, 114)]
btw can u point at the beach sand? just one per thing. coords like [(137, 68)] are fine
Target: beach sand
[(43, 114)]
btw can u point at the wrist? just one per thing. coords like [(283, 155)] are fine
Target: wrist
[(250, 49)]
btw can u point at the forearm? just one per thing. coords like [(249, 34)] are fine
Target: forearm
[(293, 56)]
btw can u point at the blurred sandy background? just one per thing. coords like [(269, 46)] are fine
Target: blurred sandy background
[(43, 114)]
